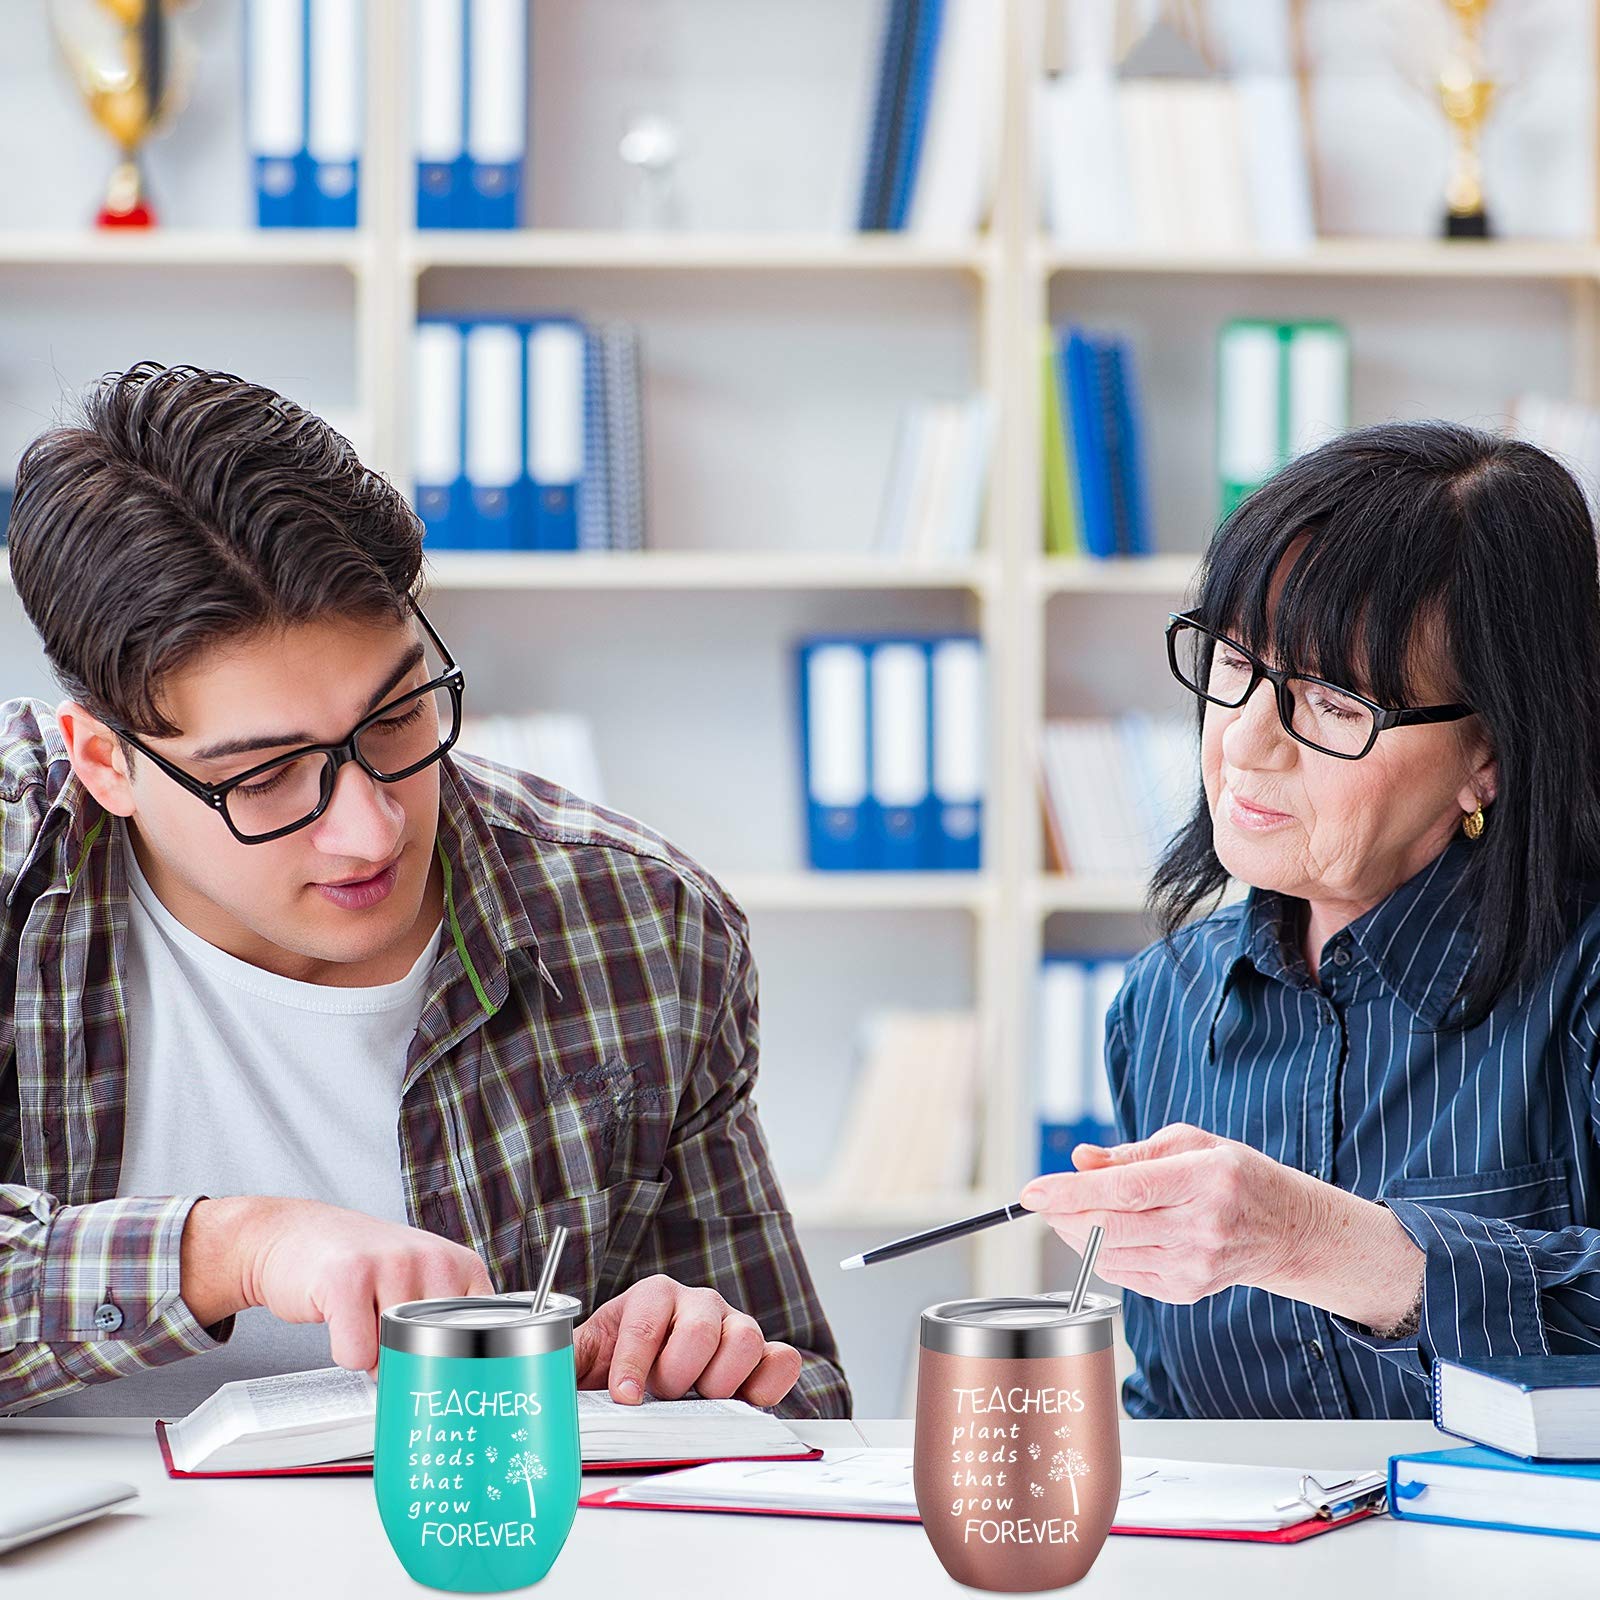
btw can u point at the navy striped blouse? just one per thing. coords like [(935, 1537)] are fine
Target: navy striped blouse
[(1483, 1144)]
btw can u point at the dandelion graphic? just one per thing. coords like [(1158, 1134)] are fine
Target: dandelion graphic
[(1071, 1465), (1036, 1490), (1033, 1452), (491, 1455), (520, 1435), (525, 1467)]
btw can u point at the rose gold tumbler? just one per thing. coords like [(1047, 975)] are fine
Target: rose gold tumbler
[(1018, 1461)]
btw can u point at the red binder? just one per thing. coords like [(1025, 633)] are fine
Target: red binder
[(617, 1500), (349, 1469)]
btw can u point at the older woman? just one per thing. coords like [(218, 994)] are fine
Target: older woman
[(1361, 1105)]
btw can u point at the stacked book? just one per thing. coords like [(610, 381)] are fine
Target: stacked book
[(1535, 1466), (933, 144), (1095, 495), (909, 1127), (528, 434), (303, 110), (893, 751), (1073, 1094), (554, 745), (470, 89), (1115, 791), (933, 502)]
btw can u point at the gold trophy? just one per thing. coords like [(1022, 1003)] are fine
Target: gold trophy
[(133, 72), (1466, 95)]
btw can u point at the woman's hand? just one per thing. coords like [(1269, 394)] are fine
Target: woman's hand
[(1187, 1213)]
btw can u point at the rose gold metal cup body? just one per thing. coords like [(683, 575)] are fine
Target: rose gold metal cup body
[(1018, 1458)]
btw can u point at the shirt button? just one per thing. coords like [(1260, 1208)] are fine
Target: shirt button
[(108, 1317), (1341, 957), (1316, 1348)]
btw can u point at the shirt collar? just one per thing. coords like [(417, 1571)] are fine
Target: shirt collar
[(1418, 938), (483, 908)]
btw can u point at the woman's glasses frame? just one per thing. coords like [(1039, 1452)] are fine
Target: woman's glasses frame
[(1383, 717), (215, 795)]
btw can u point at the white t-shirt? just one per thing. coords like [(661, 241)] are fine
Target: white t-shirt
[(244, 1082)]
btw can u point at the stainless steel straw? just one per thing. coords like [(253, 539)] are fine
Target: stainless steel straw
[(1086, 1269), (552, 1260)]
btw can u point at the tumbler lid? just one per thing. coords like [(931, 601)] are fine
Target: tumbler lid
[(1007, 1326), (479, 1325)]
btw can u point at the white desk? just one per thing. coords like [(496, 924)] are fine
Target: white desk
[(237, 1539)]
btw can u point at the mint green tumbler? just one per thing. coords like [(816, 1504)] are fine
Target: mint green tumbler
[(476, 1461)]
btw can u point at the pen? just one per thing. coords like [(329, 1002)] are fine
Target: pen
[(949, 1230)]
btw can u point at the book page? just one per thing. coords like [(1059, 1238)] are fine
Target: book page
[(303, 1399)]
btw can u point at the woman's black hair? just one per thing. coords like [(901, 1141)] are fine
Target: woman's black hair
[(1433, 542)]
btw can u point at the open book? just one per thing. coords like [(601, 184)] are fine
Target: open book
[(323, 1421)]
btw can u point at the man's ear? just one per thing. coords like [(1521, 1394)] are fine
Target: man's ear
[(97, 758)]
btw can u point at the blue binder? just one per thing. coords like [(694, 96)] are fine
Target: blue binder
[(1059, 1136), (277, 78), (834, 751), (334, 33), (439, 432), (899, 806), (553, 444), (439, 82), (958, 722), (495, 367), (919, 91), (496, 111)]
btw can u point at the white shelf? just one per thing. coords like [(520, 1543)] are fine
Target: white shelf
[(862, 891), (699, 252), (184, 247), (1158, 574), (1555, 260), (698, 569), (1056, 891), (894, 1217)]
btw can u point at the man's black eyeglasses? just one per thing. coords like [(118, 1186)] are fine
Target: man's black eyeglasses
[(291, 791), (1337, 722)]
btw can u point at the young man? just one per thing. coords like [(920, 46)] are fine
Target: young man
[(291, 1034)]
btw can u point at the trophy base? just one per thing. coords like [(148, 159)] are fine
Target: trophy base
[(1467, 225), (125, 205)]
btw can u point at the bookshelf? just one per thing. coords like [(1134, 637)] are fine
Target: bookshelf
[(767, 350)]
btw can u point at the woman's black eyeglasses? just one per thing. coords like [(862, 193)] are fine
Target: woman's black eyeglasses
[(291, 791), (1338, 722)]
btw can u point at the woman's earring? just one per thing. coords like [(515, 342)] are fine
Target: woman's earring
[(1472, 824)]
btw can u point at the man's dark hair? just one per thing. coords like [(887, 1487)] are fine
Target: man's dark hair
[(1481, 547), (183, 508)]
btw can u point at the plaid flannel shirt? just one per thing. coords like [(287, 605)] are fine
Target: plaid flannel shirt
[(586, 1055)]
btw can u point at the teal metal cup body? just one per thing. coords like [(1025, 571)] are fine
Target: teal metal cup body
[(476, 1459)]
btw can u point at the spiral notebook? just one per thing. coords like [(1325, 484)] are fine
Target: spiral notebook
[(1172, 1499)]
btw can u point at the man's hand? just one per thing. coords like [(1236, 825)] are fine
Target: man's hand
[(307, 1261), (672, 1338), (1187, 1213)]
